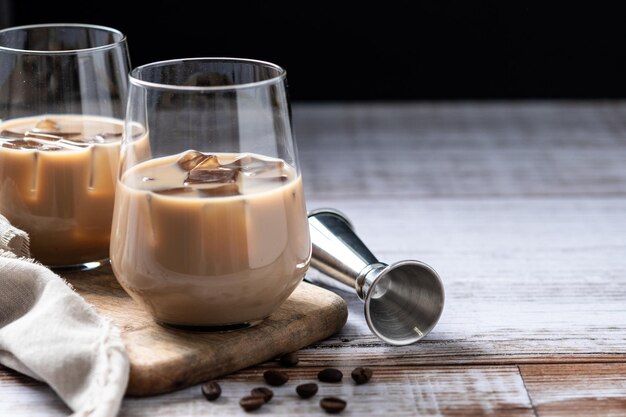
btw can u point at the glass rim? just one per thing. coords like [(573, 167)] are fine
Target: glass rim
[(282, 74), (122, 38)]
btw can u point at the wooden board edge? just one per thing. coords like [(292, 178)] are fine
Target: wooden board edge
[(318, 325)]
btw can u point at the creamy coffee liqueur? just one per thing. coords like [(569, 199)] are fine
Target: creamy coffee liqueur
[(210, 239), (57, 182)]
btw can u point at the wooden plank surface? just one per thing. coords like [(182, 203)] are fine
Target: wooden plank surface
[(521, 208), (596, 389), (412, 391), (405, 392), (424, 150), (540, 280)]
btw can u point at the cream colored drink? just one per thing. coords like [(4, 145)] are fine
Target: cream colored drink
[(210, 239), (57, 182)]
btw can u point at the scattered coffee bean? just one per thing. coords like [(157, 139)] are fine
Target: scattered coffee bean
[(362, 375), (275, 378), (289, 360), (251, 402), (330, 375), (266, 393), (332, 405), (306, 390), (211, 390)]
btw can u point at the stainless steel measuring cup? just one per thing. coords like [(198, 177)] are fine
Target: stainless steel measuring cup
[(403, 301)]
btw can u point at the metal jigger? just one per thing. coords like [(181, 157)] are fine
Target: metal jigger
[(403, 301)]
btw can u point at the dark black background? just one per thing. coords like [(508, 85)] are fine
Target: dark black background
[(394, 51)]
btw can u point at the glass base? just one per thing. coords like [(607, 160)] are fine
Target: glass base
[(86, 266), (211, 328)]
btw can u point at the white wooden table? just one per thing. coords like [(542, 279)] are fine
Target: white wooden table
[(521, 208)]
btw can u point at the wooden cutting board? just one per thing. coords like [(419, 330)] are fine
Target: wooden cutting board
[(163, 359)]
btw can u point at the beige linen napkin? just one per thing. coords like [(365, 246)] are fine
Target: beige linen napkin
[(49, 332)]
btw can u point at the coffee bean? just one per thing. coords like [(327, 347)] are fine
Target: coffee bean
[(275, 378), (330, 375), (211, 390), (266, 393), (251, 402), (333, 405), (306, 390), (289, 360), (362, 375)]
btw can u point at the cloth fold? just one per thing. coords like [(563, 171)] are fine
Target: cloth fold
[(50, 333)]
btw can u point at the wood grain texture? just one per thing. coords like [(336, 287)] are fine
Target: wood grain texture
[(577, 389), (415, 391), (457, 391), (424, 150), (164, 359), (521, 208), (526, 281)]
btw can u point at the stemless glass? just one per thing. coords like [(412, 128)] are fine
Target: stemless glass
[(210, 227), (63, 90)]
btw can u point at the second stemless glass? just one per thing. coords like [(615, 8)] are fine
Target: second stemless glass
[(62, 103), (210, 228)]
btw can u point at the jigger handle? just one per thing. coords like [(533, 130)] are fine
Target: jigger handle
[(337, 250)]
